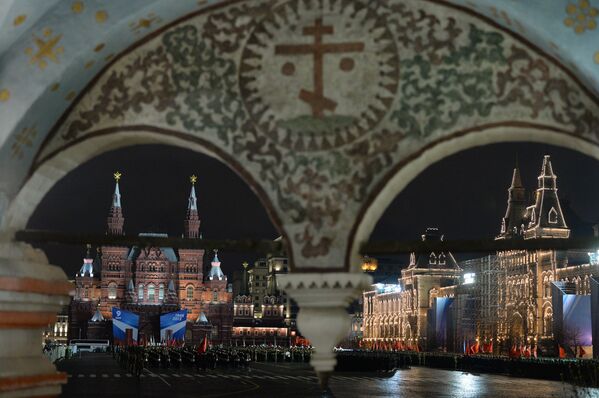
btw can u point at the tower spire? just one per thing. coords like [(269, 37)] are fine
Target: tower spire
[(115, 215), (512, 221), (545, 216), (192, 219)]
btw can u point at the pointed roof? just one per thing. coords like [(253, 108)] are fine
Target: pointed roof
[(546, 219), (192, 203), (116, 196), (514, 218), (202, 318), (439, 260), (130, 287), (171, 286), (97, 316), (516, 179), (87, 269), (215, 271)]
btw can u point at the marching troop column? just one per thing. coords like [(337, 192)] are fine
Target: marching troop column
[(323, 299), (32, 292)]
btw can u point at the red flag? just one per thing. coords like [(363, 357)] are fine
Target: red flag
[(581, 352), (526, 352), (562, 352), (475, 348), (534, 351), (490, 348), (203, 347), (513, 351), (467, 349)]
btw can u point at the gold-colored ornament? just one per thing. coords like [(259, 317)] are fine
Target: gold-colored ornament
[(117, 176), (46, 50), (193, 179), (369, 264)]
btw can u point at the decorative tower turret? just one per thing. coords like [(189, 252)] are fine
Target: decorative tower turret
[(545, 217), (115, 215), (512, 222), (216, 274), (116, 269), (192, 220), (191, 261)]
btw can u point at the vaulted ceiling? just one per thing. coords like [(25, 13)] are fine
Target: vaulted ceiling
[(51, 49)]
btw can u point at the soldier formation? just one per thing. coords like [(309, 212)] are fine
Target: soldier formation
[(136, 358)]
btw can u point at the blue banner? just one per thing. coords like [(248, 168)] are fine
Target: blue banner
[(123, 320), (577, 326), (172, 325)]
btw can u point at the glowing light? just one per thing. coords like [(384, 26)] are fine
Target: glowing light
[(594, 257), (369, 264), (469, 278)]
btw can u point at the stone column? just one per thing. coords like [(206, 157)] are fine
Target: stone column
[(323, 299), (31, 294)]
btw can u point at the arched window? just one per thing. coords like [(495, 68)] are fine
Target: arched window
[(161, 292), (111, 291), (215, 296), (189, 292), (442, 259), (140, 292), (151, 292), (433, 258), (553, 216)]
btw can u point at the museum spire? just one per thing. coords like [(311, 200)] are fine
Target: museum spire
[(115, 215), (192, 219)]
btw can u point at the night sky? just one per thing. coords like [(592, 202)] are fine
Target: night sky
[(464, 195)]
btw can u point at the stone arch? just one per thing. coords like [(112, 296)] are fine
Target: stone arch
[(517, 329), (358, 168), (328, 193)]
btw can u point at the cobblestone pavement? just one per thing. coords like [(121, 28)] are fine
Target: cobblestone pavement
[(98, 375)]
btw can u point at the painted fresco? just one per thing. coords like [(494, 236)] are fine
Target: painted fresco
[(318, 101)]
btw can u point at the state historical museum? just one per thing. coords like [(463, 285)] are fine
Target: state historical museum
[(151, 281)]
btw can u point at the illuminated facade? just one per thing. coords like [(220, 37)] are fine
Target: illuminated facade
[(262, 313), (504, 297), (57, 332), (151, 281), (399, 311)]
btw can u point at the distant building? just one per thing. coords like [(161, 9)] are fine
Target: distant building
[(399, 311), (57, 332), (151, 281), (262, 313), (505, 298)]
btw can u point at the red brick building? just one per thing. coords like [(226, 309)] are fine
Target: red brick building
[(151, 281)]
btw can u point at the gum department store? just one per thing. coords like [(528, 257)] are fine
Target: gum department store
[(504, 297)]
